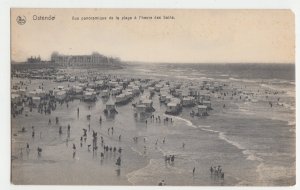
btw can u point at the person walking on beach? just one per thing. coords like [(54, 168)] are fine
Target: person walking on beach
[(60, 130), (33, 132), (68, 132), (27, 149), (164, 140), (194, 171), (39, 150), (74, 150), (84, 132), (78, 112), (118, 161), (211, 170)]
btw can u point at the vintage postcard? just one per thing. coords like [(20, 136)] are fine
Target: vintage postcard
[(153, 97)]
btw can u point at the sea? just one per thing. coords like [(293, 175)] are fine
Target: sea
[(253, 143)]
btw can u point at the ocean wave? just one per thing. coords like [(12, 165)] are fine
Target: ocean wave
[(251, 155), (138, 152), (243, 80)]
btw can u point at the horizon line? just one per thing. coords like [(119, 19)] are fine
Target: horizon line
[(163, 62)]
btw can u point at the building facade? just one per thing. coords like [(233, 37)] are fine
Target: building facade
[(73, 60)]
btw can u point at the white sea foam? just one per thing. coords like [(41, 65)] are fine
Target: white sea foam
[(135, 150), (243, 80), (250, 154), (155, 168), (188, 122)]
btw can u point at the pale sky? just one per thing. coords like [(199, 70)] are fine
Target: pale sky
[(194, 36)]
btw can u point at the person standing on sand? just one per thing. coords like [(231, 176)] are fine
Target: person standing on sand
[(194, 171)]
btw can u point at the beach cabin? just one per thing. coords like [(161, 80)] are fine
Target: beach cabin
[(148, 105), (77, 90), (121, 99), (163, 97), (114, 91), (89, 96), (104, 93), (172, 108), (188, 101), (36, 101), (136, 90), (193, 90), (202, 110), (168, 98), (185, 93), (152, 91), (207, 103), (72, 79), (112, 84), (15, 98), (61, 95), (140, 108), (60, 78), (124, 98), (129, 94), (157, 87), (82, 79), (32, 93), (178, 92), (21, 92), (60, 87), (110, 107), (100, 84), (40, 92)]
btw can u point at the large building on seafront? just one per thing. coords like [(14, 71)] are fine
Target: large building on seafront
[(74, 60)]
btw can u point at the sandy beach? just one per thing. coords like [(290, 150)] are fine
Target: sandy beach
[(249, 139)]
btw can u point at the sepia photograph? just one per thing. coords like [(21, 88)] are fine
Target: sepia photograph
[(152, 97)]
